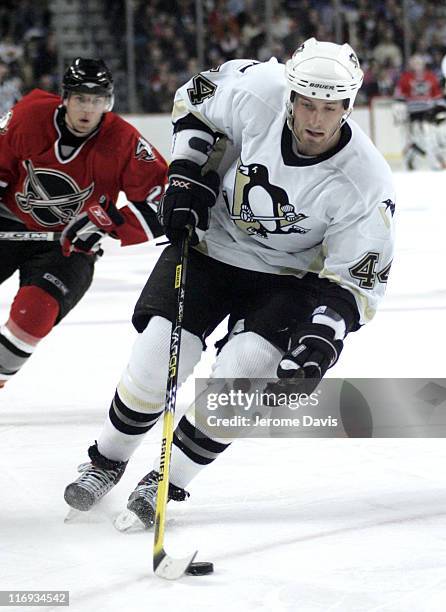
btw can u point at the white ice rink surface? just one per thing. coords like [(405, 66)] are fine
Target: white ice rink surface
[(301, 525)]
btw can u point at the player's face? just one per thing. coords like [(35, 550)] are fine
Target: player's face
[(316, 124), (84, 112)]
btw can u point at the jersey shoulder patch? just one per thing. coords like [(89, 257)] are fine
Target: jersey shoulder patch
[(143, 150)]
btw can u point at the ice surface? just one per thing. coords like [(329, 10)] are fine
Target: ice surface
[(307, 525)]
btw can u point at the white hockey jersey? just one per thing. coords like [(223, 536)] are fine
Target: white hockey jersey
[(281, 213)]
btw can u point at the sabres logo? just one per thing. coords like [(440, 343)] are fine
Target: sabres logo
[(51, 197), (144, 151)]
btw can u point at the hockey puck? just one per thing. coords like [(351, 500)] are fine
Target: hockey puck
[(200, 568)]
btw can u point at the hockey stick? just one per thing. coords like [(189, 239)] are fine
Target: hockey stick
[(30, 236), (164, 565)]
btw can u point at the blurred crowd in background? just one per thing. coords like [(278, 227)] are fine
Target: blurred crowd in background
[(166, 40)]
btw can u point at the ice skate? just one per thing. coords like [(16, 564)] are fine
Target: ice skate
[(97, 478), (140, 511)]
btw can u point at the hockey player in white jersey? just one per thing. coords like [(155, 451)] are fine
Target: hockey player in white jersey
[(293, 208)]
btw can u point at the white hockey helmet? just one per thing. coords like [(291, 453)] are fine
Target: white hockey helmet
[(325, 71)]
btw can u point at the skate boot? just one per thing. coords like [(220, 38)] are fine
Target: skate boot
[(97, 478), (141, 505)]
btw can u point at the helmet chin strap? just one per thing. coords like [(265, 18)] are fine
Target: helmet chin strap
[(345, 116)]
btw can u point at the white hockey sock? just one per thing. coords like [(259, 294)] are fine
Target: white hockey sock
[(246, 355), (116, 445), (139, 397), (191, 452)]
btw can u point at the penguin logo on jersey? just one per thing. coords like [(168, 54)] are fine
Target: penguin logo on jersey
[(390, 206), (260, 208), (51, 197), (144, 151), (387, 211)]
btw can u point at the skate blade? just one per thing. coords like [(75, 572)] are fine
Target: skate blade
[(72, 515), (128, 521), (92, 517)]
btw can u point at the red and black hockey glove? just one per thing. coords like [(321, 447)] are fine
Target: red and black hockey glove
[(188, 199), (84, 233)]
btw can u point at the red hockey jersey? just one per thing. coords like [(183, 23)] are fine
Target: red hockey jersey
[(411, 87), (44, 186)]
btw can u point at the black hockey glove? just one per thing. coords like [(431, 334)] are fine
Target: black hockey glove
[(187, 200), (84, 233), (313, 350)]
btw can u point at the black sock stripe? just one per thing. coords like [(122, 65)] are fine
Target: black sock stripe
[(130, 425), (190, 453), (125, 428), (195, 444), (12, 348), (199, 438), (138, 417)]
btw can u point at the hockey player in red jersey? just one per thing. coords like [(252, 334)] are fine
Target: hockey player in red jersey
[(63, 162), (419, 90), (418, 83)]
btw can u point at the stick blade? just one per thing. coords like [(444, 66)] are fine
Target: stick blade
[(171, 569)]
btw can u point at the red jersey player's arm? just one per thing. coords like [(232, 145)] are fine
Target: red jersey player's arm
[(436, 89), (19, 128), (8, 157), (143, 180)]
